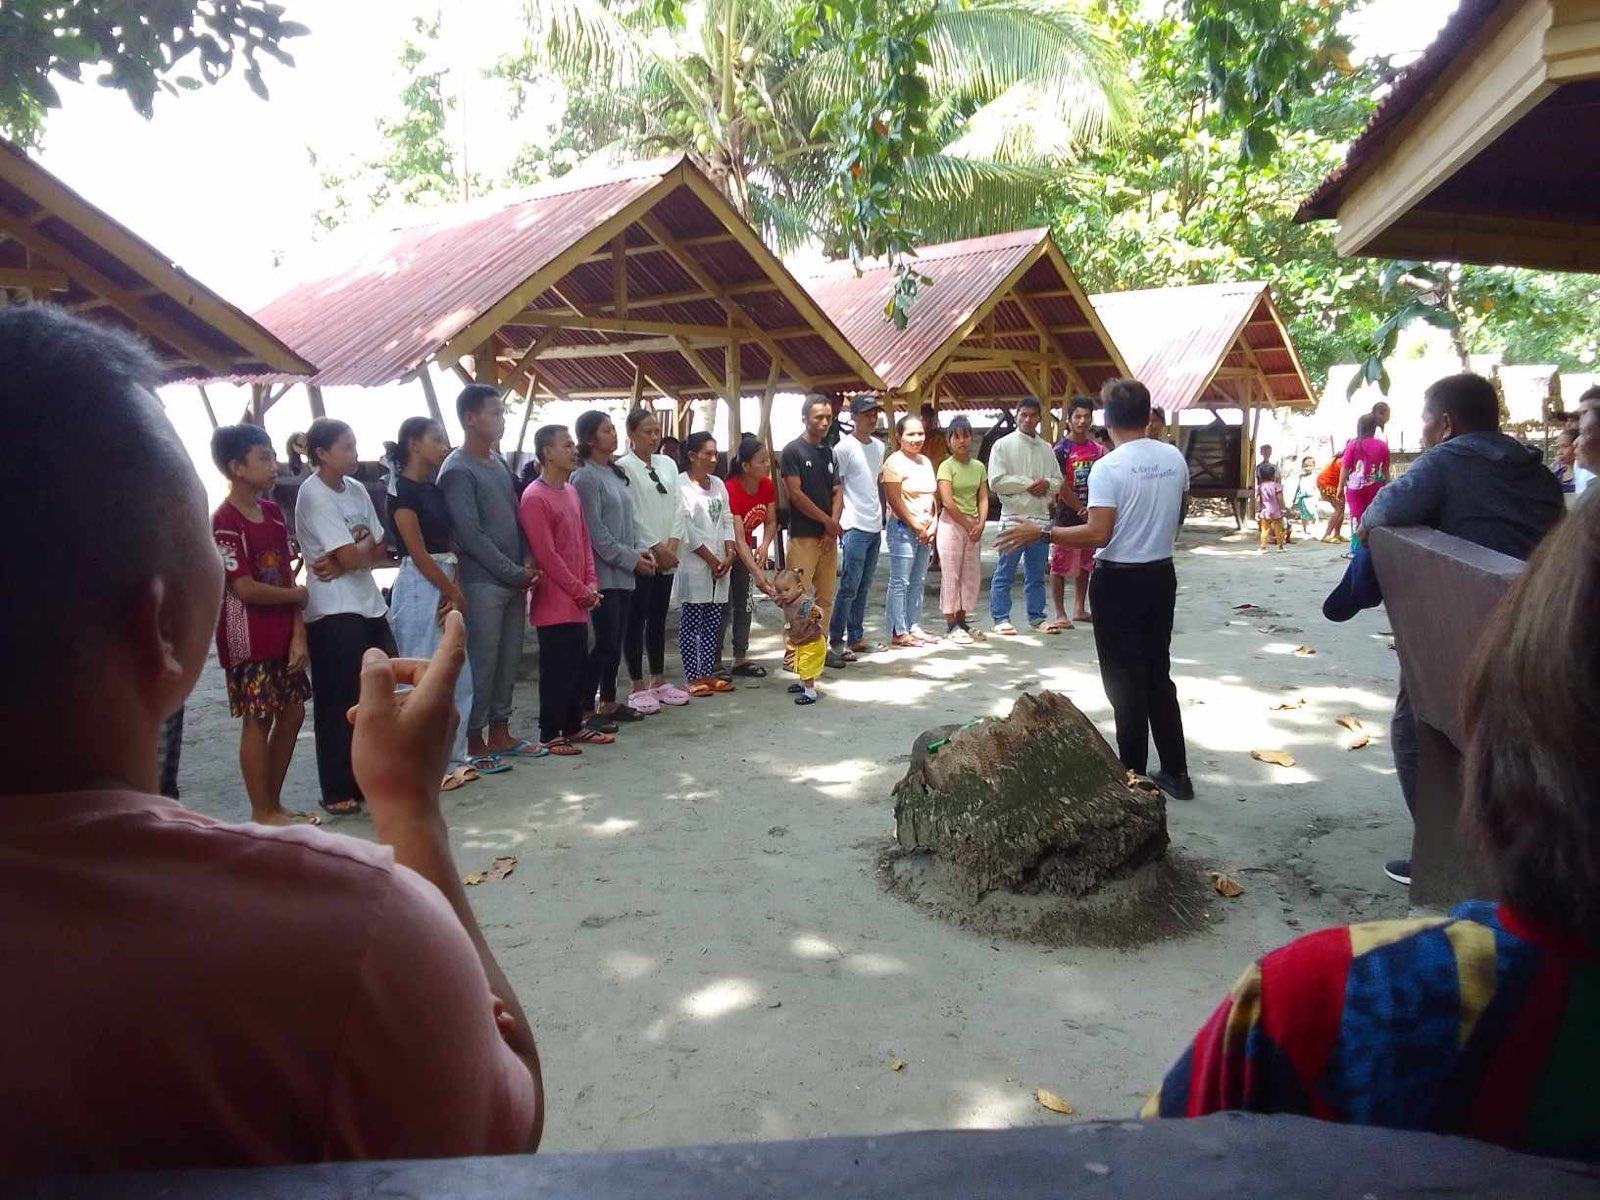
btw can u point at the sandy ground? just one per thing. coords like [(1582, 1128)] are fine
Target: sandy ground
[(697, 931)]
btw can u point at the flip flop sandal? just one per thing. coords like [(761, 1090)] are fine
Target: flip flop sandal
[(861, 648), (1057, 626), (594, 737), (847, 654), (905, 641), (600, 725), (1006, 629), (342, 808), (298, 816), (804, 699), (622, 714), (452, 783), (523, 749), (561, 748), (750, 670), (701, 690), (488, 764), (1041, 627), (719, 684)]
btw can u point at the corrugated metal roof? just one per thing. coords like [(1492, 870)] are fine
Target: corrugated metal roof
[(385, 299), (1177, 339), (116, 276), (969, 278), (1408, 89)]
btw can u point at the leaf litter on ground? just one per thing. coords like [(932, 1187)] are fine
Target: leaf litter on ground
[(502, 866), (1290, 705), (1053, 1102), (1226, 885), (1278, 758)]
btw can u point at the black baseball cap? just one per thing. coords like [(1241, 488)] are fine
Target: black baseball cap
[(865, 404)]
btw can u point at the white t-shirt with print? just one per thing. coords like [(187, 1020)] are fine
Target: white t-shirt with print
[(1144, 480), (324, 520), (858, 476)]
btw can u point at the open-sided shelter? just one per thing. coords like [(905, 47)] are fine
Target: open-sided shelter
[(641, 280), (55, 246), (1211, 345), (1484, 150), (1004, 317)]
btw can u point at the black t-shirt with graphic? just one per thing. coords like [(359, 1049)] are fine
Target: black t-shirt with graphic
[(819, 475)]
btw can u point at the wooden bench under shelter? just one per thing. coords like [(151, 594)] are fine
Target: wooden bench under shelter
[(606, 285), (1211, 345), (57, 247), (1004, 317)]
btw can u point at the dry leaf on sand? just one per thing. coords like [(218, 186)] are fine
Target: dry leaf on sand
[(1242, 607), (1226, 885), (1143, 783), (1278, 758), (1305, 651), (1350, 721), (502, 866), (897, 1064), (1360, 741), (1053, 1102), (1290, 705)]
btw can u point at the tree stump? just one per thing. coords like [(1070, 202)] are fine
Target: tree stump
[(1033, 802)]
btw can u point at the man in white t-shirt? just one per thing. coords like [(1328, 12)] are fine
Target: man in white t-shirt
[(859, 458), (1135, 500)]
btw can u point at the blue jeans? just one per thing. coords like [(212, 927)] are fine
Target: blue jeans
[(908, 571), (858, 559), (1035, 557)]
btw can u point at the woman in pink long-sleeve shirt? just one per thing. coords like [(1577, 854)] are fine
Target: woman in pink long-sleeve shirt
[(559, 603)]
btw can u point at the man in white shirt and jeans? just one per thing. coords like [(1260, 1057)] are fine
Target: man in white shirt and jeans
[(1135, 499), (1024, 473), (859, 458)]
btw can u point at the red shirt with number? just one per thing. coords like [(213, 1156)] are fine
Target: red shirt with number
[(256, 550), (750, 509)]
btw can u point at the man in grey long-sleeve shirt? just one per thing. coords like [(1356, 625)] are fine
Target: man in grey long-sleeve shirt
[(496, 569)]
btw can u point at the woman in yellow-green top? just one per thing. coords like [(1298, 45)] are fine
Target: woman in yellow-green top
[(964, 494)]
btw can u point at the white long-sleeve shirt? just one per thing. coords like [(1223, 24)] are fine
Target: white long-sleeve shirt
[(658, 514), (1014, 463)]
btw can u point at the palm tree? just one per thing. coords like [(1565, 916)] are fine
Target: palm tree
[(1019, 87)]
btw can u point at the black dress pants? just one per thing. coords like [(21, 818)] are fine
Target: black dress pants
[(610, 620), (1133, 608), (647, 625), (563, 674), (336, 644)]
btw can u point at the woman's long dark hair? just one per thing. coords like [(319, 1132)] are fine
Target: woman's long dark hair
[(398, 452), (324, 432), (749, 446), (692, 444), (583, 432)]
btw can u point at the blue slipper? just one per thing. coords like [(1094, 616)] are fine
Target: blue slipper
[(488, 764), (524, 749)]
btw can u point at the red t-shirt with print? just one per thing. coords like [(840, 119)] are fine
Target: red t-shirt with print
[(750, 509), (253, 550)]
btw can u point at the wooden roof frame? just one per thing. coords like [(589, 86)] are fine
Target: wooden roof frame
[(71, 249), (1489, 70)]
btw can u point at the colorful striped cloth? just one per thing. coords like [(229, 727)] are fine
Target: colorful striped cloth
[(1476, 1024)]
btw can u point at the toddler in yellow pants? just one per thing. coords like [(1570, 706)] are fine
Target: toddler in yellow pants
[(802, 627)]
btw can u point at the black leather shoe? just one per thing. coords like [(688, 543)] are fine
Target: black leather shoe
[(1176, 786)]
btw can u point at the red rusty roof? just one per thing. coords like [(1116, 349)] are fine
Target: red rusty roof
[(1011, 278), (1177, 339), (85, 260), (1409, 88), (385, 299)]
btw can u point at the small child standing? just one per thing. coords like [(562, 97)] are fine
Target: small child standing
[(261, 637), (1300, 510), (1269, 506), (802, 628)]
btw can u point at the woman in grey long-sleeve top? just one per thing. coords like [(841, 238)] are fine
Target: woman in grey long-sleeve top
[(619, 552)]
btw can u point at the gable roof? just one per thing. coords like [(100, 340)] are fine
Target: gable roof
[(584, 280), (55, 245), (1179, 339), (1020, 281)]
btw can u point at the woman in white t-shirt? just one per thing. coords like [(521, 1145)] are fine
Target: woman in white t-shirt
[(912, 493), (709, 552), (341, 540)]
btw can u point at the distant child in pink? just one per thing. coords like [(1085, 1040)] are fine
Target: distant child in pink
[(1364, 470), (1269, 506)]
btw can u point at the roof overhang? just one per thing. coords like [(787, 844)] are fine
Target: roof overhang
[(56, 246), (1485, 150)]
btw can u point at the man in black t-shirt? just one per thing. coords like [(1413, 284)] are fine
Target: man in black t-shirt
[(811, 483)]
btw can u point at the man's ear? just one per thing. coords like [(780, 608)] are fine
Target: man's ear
[(157, 623)]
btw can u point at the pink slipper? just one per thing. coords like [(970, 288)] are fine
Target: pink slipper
[(644, 703), (669, 693)]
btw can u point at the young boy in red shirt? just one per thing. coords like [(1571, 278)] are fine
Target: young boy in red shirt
[(261, 639)]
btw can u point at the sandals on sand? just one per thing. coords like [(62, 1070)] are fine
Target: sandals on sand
[(348, 807), (1057, 626), (488, 764), (719, 684), (592, 736), (523, 749), (1006, 629), (905, 641), (700, 690), (750, 670), (561, 748)]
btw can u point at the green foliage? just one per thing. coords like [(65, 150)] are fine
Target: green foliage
[(137, 45)]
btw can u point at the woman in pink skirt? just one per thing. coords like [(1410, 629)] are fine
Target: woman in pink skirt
[(964, 495)]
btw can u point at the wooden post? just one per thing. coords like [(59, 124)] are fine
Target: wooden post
[(527, 409), (890, 399), (768, 394), (318, 409), (206, 400), (430, 395), (638, 388), (258, 404), (735, 389), (484, 367)]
